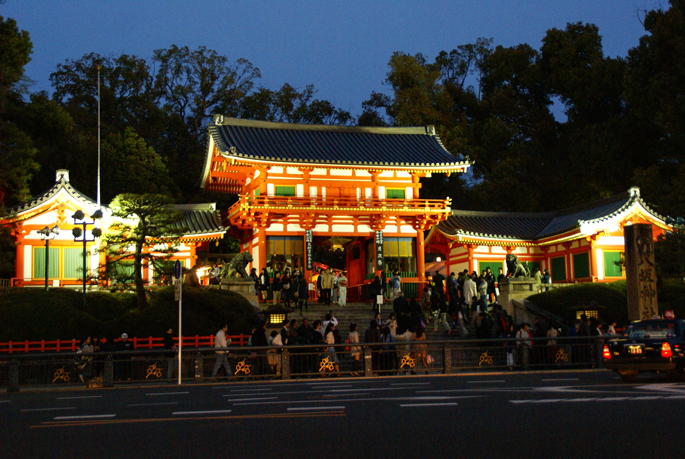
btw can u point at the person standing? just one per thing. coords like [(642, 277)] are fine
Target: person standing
[(302, 295), (286, 287), (452, 287), (442, 317), (171, 358), (220, 343), (255, 277), (326, 286), (342, 289), (126, 346), (439, 283), (470, 291), (84, 362), (258, 339), (396, 283), (276, 288), (264, 285), (355, 351)]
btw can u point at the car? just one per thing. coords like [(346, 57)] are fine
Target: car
[(654, 345)]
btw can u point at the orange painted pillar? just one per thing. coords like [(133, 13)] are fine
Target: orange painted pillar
[(420, 260), (19, 273), (261, 241)]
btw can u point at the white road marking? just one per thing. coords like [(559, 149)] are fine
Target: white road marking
[(249, 399), (5, 401), (76, 398), (307, 408), (180, 413), (411, 384), (600, 399), (167, 393), (366, 389), (483, 382), (90, 416), (676, 397), (251, 390), (154, 404), (560, 379), (437, 405), (51, 409), (379, 399), (647, 397)]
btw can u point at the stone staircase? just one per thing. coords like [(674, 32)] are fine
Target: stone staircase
[(361, 314)]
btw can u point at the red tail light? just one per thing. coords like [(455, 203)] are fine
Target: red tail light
[(666, 351), (606, 354)]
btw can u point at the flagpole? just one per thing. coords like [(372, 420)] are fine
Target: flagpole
[(98, 184)]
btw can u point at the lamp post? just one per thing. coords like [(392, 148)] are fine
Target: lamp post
[(79, 219), (46, 234), (678, 225)]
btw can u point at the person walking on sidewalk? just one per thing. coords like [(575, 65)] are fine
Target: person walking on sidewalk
[(171, 357), (220, 342)]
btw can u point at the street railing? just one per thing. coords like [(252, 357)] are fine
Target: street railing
[(301, 361)]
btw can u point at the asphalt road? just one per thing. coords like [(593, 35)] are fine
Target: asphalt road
[(579, 414)]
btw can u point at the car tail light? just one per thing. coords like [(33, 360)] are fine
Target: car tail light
[(666, 351), (607, 354)]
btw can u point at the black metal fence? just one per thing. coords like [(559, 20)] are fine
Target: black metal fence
[(291, 362)]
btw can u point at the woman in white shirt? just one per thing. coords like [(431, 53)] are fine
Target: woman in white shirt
[(329, 337), (355, 351)]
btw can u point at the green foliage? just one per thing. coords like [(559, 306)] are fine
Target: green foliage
[(33, 314), (146, 231)]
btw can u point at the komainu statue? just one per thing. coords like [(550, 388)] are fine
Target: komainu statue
[(515, 268), (237, 266)]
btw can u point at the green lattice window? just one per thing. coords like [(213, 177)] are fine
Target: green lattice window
[(285, 190), (581, 265), (493, 265), (558, 269), (613, 264), (395, 193), (73, 263), (39, 262)]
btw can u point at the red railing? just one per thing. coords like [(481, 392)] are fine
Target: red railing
[(151, 342)]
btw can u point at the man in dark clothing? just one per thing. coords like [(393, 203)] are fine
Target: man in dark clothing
[(400, 307), (373, 335), (438, 283), (305, 331), (452, 286), (171, 356), (124, 366), (259, 339)]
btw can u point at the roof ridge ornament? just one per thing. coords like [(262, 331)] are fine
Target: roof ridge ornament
[(62, 175), (634, 192), (430, 129)]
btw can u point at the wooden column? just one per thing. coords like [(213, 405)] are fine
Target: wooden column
[(420, 260), (261, 237), (19, 273)]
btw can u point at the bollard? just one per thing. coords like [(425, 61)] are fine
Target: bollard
[(199, 368), (447, 359), (525, 357), (285, 364), (13, 377), (368, 362), (108, 373)]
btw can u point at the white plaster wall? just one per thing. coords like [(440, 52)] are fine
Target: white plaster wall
[(599, 263), (390, 229), (275, 227), (312, 191), (341, 173), (611, 240), (270, 189), (255, 258), (389, 174), (293, 171), (275, 170), (28, 261), (409, 193), (407, 229), (294, 227), (364, 229), (299, 190), (499, 250), (381, 192), (321, 228), (361, 173), (368, 192), (343, 228)]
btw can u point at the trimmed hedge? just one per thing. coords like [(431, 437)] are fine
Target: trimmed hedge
[(612, 296), (34, 315)]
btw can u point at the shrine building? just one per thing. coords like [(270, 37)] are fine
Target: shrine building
[(357, 188), (579, 244), (50, 216)]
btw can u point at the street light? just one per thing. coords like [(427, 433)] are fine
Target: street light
[(46, 234), (79, 219)]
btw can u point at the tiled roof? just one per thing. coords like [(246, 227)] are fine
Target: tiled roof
[(200, 219), (536, 226), (61, 182), (415, 147)]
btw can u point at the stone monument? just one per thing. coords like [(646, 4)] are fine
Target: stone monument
[(640, 271)]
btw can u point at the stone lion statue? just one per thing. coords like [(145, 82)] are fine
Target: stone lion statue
[(515, 267), (237, 266)]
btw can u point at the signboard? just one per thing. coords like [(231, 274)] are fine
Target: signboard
[(379, 250), (669, 315), (640, 271), (178, 281), (308, 242), (177, 270)]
